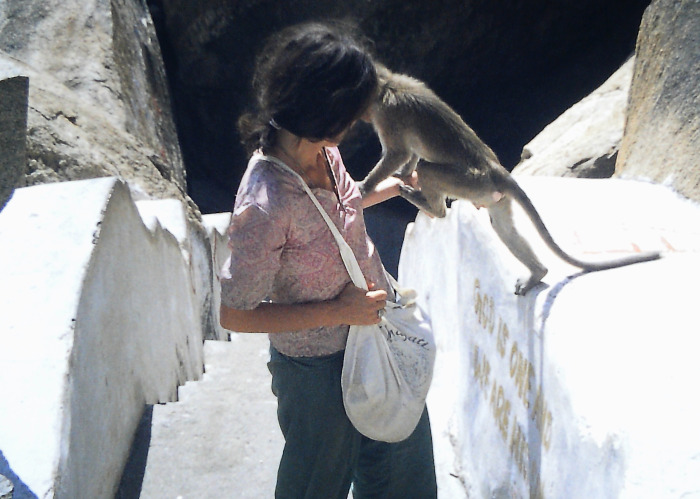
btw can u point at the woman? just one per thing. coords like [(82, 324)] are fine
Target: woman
[(285, 276)]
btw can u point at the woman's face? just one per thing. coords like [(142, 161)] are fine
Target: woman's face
[(334, 141)]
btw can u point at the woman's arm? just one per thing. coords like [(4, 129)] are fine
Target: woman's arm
[(387, 189), (353, 306)]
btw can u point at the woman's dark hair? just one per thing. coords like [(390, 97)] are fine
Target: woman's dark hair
[(313, 80)]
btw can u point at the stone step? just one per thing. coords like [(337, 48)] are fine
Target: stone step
[(220, 440)]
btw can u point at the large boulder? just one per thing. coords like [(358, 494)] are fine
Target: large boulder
[(99, 106), (662, 135), (98, 101), (584, 141)]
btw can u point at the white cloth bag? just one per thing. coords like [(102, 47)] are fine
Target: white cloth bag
[(388, 367), (387, 371)]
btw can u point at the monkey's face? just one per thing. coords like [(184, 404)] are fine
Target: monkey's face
[(334, 141)]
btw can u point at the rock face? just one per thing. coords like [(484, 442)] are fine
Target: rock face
[(584, 141), (98, 100), (662, 134), (508, 67)]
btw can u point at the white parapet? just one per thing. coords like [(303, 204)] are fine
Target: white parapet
[(196, 246), (216, 225), (585, 387), (98, 316)]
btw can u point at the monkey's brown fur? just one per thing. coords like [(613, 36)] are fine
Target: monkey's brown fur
[(418, 130)]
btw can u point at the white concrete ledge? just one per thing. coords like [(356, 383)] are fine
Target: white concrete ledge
[(98, 316), (216, 225), (587, 386), (196, 247)]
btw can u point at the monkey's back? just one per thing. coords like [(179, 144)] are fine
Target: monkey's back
[(412, 113)]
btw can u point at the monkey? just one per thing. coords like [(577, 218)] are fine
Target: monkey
[(419, 131)]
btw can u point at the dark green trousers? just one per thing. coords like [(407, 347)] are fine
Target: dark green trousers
[(324, 454)]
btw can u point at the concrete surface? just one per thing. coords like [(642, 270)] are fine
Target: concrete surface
[(591, 372), (220, 440)]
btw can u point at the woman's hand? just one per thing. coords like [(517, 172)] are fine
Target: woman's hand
[(357, 307), (389, 188)]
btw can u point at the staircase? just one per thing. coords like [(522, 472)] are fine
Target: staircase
[(220, 440)]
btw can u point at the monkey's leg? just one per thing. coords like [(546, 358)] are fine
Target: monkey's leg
[(501, 214), (391, 161), (427, 199)]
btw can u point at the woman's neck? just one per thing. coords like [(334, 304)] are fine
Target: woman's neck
[(304, 157)]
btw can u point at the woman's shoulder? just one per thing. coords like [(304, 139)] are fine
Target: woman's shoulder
[(268, 187)]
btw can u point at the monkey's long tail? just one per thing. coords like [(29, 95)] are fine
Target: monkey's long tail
[(522, 198)]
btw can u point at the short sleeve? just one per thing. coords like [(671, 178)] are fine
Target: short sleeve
[(256, 241)]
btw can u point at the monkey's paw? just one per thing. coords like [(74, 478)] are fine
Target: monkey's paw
[(363, 189), (522, 286)]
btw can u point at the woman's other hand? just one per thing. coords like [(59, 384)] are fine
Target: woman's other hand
[(358, 307), (389, 188)]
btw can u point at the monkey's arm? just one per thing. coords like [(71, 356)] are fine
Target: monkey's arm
[(392, 160), (386, 189), (409, 167)]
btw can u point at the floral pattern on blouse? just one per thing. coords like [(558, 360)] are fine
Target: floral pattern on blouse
[(283, 251)]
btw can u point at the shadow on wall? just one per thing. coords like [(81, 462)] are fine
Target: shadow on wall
[(135, 468), (21, 490)]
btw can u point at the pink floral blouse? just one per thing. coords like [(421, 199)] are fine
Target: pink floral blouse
[(282, 250)]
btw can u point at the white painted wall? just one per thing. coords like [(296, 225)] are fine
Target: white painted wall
[(587, 386), (584, 388), (197, 241), (99, 315)]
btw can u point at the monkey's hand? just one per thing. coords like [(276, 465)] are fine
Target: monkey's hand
[(410, 180), (386, 189), (361, 186)]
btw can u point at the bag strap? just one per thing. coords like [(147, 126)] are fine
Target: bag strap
[(348, 256)]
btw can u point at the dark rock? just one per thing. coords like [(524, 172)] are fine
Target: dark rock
[(13, 134)]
